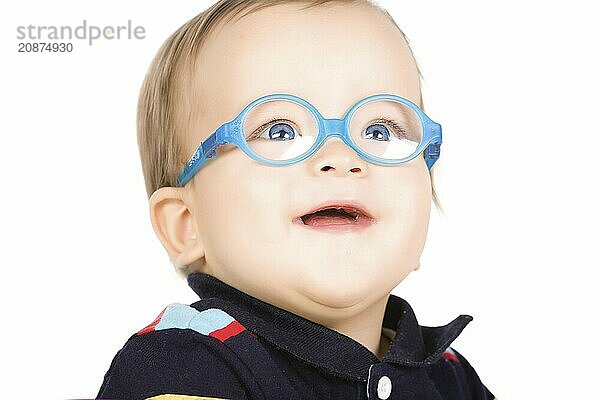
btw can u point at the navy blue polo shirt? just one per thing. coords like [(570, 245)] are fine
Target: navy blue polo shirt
[(230, 345)]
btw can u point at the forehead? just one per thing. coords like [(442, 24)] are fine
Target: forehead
[(330, 55)]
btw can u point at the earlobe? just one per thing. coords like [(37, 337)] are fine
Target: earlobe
[(173, 223)]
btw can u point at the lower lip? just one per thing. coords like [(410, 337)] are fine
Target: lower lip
[(352, 227)]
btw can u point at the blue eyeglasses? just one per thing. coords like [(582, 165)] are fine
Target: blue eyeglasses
[(283, 129)]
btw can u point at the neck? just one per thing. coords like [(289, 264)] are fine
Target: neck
[(366, 328)]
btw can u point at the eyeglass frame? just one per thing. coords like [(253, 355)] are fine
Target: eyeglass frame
[(231, 132)]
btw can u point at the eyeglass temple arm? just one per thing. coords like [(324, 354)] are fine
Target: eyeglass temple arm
[(206, 150), (432, 151)]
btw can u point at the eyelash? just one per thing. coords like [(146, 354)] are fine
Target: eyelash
[(391, 123), (261, 128)]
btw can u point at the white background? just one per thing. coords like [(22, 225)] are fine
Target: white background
[(515, 87)]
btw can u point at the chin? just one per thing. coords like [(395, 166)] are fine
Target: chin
[(339, 293)]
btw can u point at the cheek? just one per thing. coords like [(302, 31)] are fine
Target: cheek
[(408, 207), (259, 208), (409, 191), (244, 209)]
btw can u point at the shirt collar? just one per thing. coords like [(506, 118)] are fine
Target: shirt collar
[(325, 348)]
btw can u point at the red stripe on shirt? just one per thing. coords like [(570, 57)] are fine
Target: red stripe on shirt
[(150, 327), (230, 330), (450, 356)]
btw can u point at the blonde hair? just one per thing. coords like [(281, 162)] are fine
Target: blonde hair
[(164, 111)]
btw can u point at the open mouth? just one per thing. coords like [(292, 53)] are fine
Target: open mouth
[(330, 216), (335, 217)]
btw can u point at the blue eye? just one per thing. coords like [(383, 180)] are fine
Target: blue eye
[(281, 131), (377, 131)]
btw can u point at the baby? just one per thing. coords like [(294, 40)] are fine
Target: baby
[(305, 204)]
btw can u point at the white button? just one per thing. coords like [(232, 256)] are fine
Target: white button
[(384, 387)]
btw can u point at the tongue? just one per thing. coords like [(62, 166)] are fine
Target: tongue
[(324, 220)]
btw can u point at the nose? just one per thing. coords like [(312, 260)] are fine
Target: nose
[(335, 157)]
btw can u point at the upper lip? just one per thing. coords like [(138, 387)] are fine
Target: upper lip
[(347, 205)]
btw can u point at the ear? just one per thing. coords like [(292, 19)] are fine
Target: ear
[(173, 223)]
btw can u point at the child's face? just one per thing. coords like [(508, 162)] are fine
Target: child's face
[(242, 211)]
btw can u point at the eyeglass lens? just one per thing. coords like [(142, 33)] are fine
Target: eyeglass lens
[(282, 129)]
